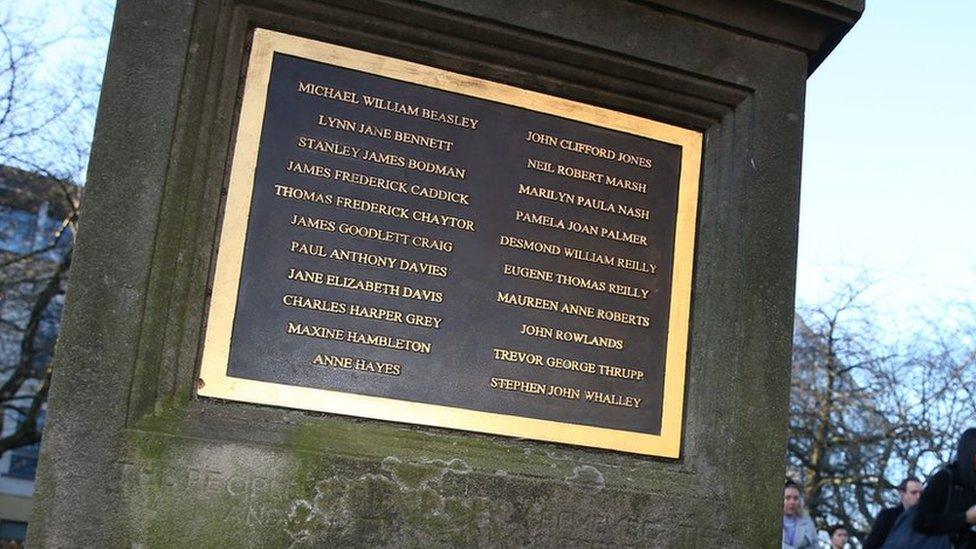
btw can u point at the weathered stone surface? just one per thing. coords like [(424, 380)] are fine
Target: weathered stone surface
[(183, 491), (132, 458)]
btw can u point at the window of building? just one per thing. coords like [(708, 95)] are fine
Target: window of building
[(23, 460), (11, 530)]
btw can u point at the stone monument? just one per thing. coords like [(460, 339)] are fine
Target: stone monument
[(442, 273)]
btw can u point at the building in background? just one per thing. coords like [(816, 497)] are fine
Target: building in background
[(36, 237)]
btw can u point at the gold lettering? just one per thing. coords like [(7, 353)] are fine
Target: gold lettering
[(623, 373), (368, 206), (328, 147), (534, 388), (528, 273), (365, 285), (527, 301), (568, 364), (298, 193), (542, 138), (428, 243), (433, 193), (315, 304), (570, 336), (579, 173), (425, 113), (362, 311), (314, 170), (387, 159), (539, 165), (627, 184), (317, 250), (589, 229), (623, 318), (358, 364), (389, 342), (389, 134), (581, 201), (327, 92), (428, 166), (544, 332), (530, 245), (421, 267), (387, 262), (588, 149), (572, 309), (518, 357), (363, 258), (610, 399), (316, 223), (577, 254), (371, 181), (443, 220), (609, 260), (320, 332), (384, 235), (360, 338), (574, 281)]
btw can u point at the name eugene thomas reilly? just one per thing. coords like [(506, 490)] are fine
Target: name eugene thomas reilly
[(560, 391)]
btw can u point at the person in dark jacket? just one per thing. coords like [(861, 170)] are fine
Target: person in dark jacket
[(909, 491), (948, 503), (838, 537)]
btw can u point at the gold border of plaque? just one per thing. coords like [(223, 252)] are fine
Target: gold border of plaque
[(216, 350)]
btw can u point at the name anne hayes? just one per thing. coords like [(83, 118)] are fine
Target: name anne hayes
[(445, 243)]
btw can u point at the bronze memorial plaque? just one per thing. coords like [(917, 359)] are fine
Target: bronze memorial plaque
[(409, 244)]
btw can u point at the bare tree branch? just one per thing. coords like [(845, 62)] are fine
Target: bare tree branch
[(864, 414)]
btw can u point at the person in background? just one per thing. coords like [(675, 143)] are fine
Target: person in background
[(948, 503), (909, 491), (799, 531), (838, 537)]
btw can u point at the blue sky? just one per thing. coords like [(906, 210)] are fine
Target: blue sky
[(60, 46), (889, 183)]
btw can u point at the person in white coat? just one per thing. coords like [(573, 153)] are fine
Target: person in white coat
[(799, 532)]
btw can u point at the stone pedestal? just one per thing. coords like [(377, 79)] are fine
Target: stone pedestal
[(133, 457)]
